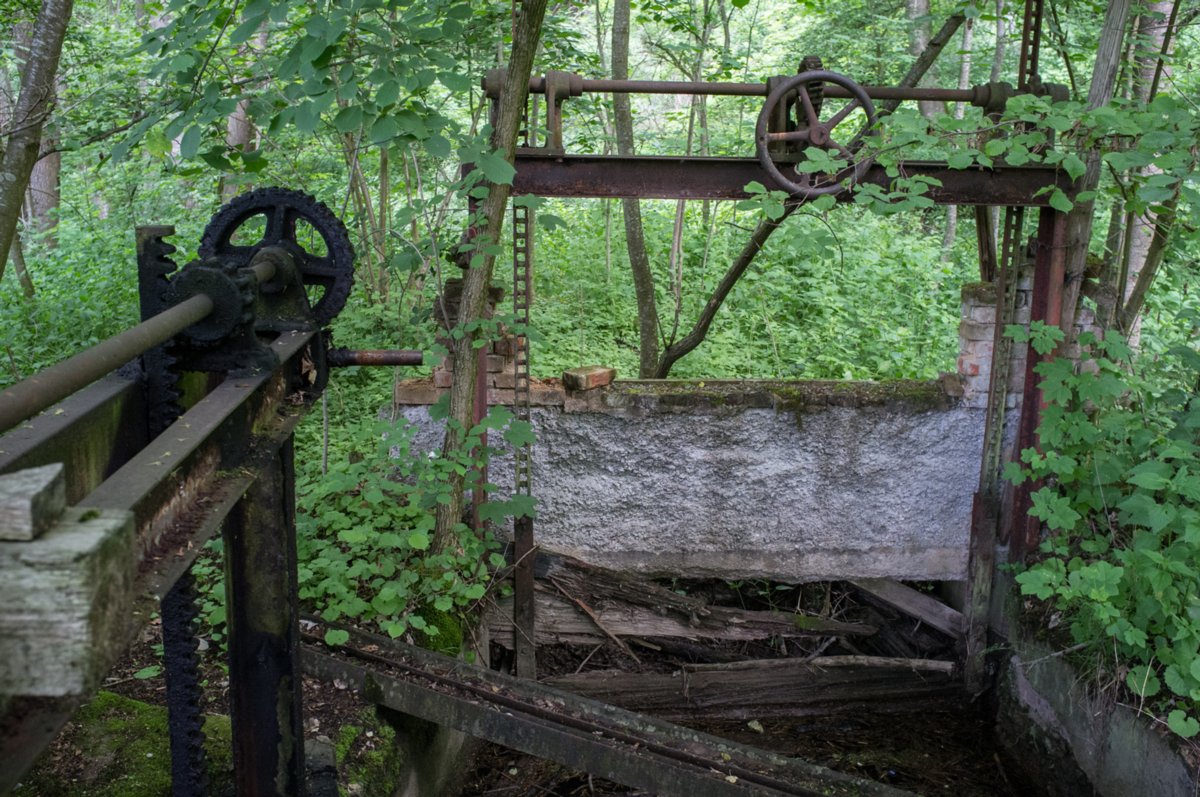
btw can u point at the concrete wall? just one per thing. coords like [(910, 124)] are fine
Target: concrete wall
[(789, 481)]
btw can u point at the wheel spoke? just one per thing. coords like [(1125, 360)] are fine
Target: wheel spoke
[(836, 119), (810, 113)]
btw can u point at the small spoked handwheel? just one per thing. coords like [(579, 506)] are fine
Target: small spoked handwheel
[(812, 132)]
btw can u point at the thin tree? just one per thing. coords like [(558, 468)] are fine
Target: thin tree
[(29, 115), (526, 35)]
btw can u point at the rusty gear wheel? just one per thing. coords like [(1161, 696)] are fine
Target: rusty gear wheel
[(281, 209), (808, 89)]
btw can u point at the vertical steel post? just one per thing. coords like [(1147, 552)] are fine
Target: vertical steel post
[(264, 671), (1045, 306)]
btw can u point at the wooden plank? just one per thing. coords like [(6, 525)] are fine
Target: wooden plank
[(776, 687), (559, 621), (30, 501), (925, 608), (637, 751)]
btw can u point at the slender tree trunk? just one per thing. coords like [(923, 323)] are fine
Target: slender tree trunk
[(918, 41), (1079, 221), (528, 32), (240, 135), (635, 239), (964, 82), (32, 108)]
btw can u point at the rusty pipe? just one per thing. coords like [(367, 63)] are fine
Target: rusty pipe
[(51, 385), (340, 358)]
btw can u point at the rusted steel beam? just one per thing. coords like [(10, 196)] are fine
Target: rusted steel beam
[(1046, 306), (654, 177), (340, 358), (618, 745), (264, 672)]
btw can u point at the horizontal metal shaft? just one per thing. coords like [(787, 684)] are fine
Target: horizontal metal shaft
[(51, 385), (339, 358), (538, 86)]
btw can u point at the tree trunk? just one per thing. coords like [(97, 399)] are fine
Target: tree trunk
[(635, 240), (477, 279), (32, 108), (1079, 222), (918, 42), (240, 136), (964, 82)]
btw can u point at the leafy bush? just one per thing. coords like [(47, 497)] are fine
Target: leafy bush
[(365, 529), (1121, 497)]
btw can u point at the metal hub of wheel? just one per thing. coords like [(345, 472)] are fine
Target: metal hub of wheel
[(281, 209), (805, 91)]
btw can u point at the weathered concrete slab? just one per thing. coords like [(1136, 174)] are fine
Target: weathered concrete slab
[(789, 481)]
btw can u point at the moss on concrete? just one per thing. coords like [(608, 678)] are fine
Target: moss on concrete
[(368, 758), (118, 747), (797, 396)]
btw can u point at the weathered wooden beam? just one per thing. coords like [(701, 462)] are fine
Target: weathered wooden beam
[(64, 597), (637, 751), (925, 608), (31, 501), (776, 687), (560, 621)]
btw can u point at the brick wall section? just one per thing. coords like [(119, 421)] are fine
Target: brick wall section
[(976, 340), (500, 353)]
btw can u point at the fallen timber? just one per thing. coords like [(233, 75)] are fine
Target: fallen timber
[(746, 690), (580, 603), (627, 748)]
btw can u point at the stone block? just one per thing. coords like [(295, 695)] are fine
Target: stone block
[(984, 314), (505, 347), (588, 377), (31, 501), (496, 363), (973, 330), (442, 378), (505, 380)]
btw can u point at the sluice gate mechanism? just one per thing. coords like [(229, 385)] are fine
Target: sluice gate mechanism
[(191, 437)]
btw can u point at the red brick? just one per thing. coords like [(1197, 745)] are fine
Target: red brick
[(588, 377)]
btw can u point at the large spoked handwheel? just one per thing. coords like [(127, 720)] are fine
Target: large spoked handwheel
[(810, 131), (293, 220)]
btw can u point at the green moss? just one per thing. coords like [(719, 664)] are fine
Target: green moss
[(368, 757), (980, 292), (123, 748), (449, 636)]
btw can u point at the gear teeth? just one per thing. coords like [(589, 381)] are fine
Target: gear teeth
[(189, 763), (216, 241)]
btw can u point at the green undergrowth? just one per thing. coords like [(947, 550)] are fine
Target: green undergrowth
[(118, 747), (367, 756), (1118, 476)]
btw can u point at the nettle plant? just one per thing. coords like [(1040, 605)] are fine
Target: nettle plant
[(364, 532), (1119, 476)]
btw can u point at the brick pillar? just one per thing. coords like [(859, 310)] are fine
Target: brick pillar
[(500, 353)]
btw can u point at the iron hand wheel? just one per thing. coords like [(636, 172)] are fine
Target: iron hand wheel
[(281, 209), (812, 132)]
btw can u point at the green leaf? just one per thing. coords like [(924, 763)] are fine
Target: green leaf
[(335, 637), (349, 119), (1182, 724), (189, 143), (419, 540), (960, 160), (454, 81), (496, 169), (1060, 201), (1074, 166), (146, 673), (1142, 681)]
